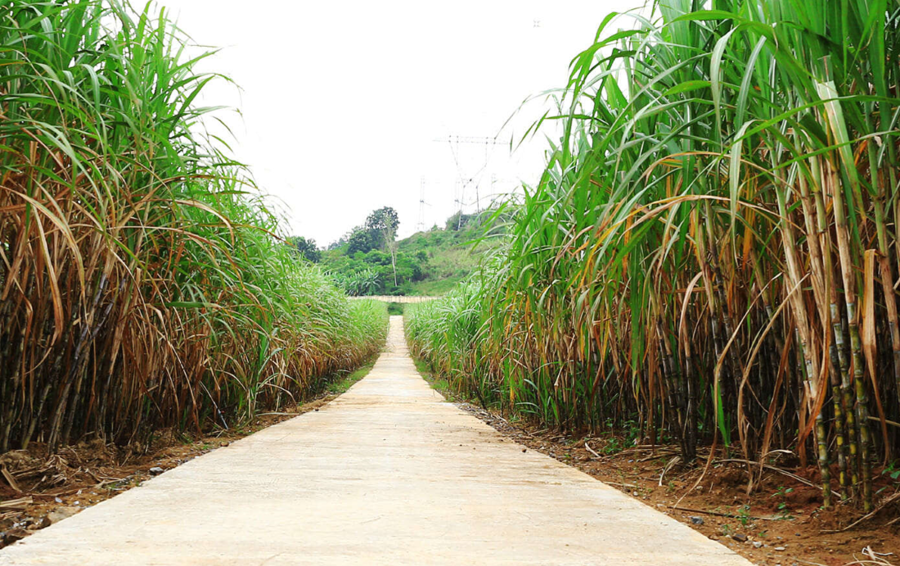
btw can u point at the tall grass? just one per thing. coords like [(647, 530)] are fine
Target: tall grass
[(142, 282), (712, 249)]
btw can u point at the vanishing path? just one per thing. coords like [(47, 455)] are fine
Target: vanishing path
[(388, 473)]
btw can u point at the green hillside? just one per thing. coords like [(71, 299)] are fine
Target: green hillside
[(450, 256), (369, 261)]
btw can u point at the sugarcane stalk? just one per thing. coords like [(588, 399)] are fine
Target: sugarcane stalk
[(820, 274), (833, 110), (802, 326), (887, 287), (838, 366), (850, 297), (821, 436)]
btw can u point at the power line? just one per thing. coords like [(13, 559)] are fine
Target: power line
[(464, 180)]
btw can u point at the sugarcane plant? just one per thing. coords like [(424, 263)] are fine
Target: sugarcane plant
[(143, 281), (712, 249)]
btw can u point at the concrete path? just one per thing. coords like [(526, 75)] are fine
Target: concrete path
[(389, 473)]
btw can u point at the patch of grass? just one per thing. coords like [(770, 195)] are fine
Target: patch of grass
[(613, 446), (784, 511), (340, 385), (744, 515), (395, 309), (437, 382), (436, 287)]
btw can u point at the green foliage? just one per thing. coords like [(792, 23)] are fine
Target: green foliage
[(892, 470), (743, 514), (371, 273), (377, 233), (306, 248), (459, 221), (382, 225), (426, 263), (781, 494), (446, 333), (342, 384), (712, 247), (143, 286), (358, 283), (449, 256), (361, 241)]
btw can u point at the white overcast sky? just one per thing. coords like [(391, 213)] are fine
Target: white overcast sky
[(341, 101)]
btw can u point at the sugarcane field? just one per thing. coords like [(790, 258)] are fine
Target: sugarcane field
[(532, 283)]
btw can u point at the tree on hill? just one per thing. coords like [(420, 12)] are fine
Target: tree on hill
[(378, 232), (360, 240), (372, 259), (306, 248), (383, 224)]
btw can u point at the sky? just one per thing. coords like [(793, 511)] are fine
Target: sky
[(342, 107)]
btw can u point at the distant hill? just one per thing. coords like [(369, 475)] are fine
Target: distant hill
[(450, 254), (426, 263)]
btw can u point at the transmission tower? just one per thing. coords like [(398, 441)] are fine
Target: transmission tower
[(420, 227), (464, 180)]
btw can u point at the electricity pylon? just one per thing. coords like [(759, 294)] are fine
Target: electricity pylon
[(454, 142)]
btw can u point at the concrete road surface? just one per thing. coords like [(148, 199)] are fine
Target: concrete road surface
[(388, 473)]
